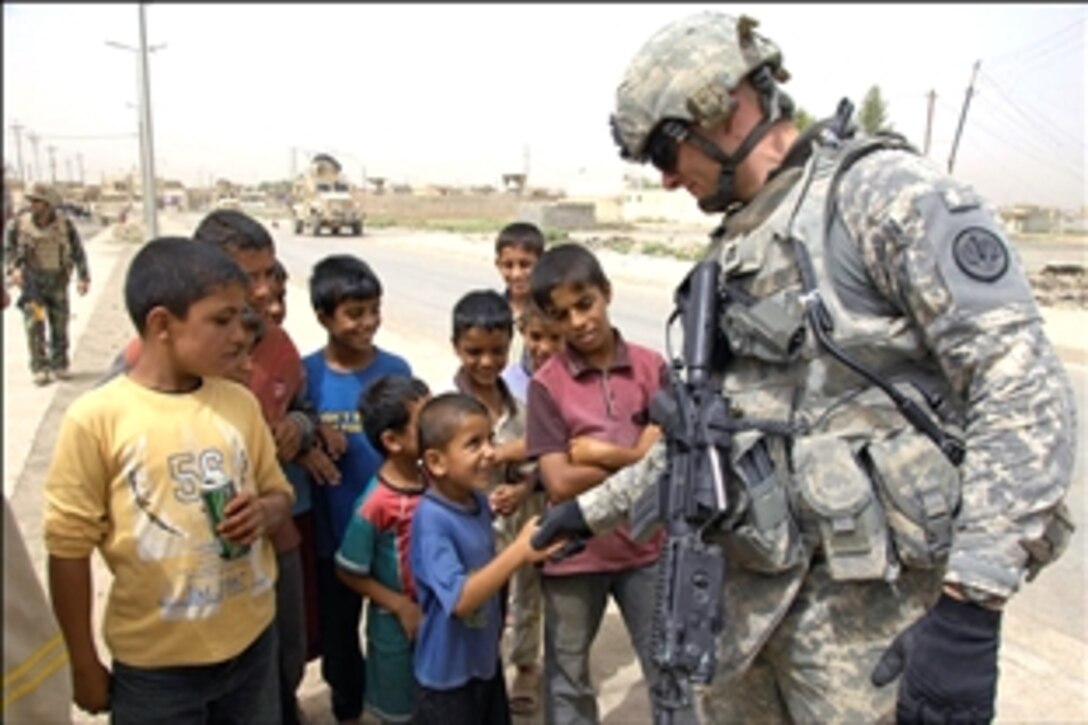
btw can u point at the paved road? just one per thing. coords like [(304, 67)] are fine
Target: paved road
[(1043, 666)]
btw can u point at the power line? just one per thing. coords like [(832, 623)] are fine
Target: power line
[(1046, 57), (1035, 123), (1035, 44), (1033, 155), (1024, 130)]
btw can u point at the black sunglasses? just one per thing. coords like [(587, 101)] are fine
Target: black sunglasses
[(664, 144)]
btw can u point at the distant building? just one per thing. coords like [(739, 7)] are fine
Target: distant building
[(1030, 219)]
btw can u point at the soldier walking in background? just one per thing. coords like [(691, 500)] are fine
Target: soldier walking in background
[(902, 434), (41, 247)]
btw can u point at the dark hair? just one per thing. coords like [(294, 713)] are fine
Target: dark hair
[(383, 405), (486, 309), (442, 416), (175, 272), (279, 272), (530, 311), (565, 264), (227, 229), (253, 323), (521, 234), (340, 277)]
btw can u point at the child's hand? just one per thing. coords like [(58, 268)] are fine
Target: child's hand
[(245, 519), (335, 442), (531, 555), (91, 687), (320, 467), (409, 615), (506, 497), (288, 437)]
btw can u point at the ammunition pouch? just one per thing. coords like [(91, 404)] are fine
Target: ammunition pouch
[(765, 537), (879, 503), (920, 491), (845, 508), (771, 329)]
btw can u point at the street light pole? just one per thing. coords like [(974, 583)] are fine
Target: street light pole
[(147, 152)]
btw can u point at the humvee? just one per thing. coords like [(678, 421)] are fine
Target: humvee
[(323, 200)]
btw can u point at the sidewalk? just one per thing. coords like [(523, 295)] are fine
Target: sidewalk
[(100, 327)]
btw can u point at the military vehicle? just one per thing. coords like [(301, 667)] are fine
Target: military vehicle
[(323, 200), (113, 206)]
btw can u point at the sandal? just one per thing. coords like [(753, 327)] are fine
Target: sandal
[(525, 692)]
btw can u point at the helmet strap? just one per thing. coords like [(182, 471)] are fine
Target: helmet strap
[(776, 106)]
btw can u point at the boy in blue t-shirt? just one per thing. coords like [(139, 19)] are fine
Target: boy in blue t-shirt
[(457, 574), (373, 558), (346, 297)]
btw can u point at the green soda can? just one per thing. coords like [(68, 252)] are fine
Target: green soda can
[(216, 491)]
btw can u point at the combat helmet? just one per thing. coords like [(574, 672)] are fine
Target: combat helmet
[(685, 72), (44, 192)]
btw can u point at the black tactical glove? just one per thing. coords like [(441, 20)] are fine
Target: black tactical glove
[(561, 520), (948, 659)]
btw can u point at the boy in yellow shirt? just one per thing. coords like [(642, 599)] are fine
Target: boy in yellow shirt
[(188, 620)]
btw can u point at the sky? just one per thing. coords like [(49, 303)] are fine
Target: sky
[(463, 93)]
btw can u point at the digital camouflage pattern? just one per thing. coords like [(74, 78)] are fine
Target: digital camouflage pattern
[(950, 316), (814, 667), (685, 71), (988, 340)]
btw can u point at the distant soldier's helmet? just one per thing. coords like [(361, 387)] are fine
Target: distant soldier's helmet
[(685, 72), (43, 192)]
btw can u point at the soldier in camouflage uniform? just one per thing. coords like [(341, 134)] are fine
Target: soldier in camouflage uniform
[(41, 246), (875, 539)]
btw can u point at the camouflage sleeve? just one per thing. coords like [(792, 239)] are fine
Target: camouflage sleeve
[(934, 250), (604, 506), (79, 256)]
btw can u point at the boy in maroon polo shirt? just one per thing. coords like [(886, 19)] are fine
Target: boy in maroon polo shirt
[(598, 388)]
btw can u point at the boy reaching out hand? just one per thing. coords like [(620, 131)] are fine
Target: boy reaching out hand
[(458, 576)]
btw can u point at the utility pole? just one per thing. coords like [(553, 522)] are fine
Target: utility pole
[(34, 138), (150, 205), (929, 121), (963, 116), (17, 129), (147, 151), (52, 150)]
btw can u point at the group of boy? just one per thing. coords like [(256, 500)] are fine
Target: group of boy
[(346, 476)]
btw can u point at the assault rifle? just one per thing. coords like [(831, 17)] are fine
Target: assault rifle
[(689, 498)]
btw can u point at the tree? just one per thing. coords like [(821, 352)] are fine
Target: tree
[(874, 112), (803, 119)]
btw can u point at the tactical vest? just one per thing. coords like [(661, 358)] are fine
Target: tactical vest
[(853, 480), (45, 250)]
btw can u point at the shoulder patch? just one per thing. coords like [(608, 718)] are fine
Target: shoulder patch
[(980, 254)]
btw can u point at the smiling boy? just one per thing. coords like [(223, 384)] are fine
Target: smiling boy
[(347, 298), (458, 576)]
